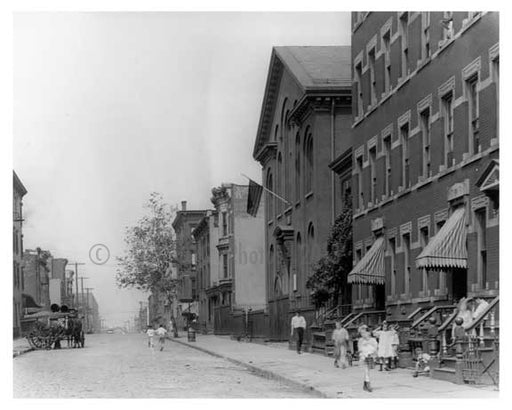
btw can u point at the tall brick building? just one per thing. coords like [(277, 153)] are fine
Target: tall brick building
[(18, 280), (184, 223), (304, 126), (425, 158)]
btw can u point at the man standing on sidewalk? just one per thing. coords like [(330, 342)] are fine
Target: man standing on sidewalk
[(298, 326)]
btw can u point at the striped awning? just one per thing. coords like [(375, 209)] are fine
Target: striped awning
[(447, 249), (370, 269)]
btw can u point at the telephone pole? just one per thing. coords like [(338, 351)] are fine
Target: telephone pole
[(76, 280), (87, 321), (82, 287)]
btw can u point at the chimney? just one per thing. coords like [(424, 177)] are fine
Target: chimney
[(183, 205)]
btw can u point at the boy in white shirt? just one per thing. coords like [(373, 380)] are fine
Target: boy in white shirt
[(151, 333)]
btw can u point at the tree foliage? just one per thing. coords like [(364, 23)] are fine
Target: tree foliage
[(150, 247), (329, 278)]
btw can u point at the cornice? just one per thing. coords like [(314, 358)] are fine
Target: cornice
[(266, 153), (319, 102), (342, 163)]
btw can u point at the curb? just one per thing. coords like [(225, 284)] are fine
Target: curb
[(267, 374), (17, 353)]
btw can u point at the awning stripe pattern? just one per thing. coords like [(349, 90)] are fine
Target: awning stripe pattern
[(447, 249), (370, 269)]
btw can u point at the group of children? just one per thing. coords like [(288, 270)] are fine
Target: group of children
[(383, 352), (161, 332)]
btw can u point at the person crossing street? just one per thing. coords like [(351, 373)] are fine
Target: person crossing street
[(161, 333)]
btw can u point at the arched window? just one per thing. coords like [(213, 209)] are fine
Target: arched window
[(310, 248), (271, 267), (308, 162), (270, 198), (298, 261), (276, 132), (279, 183), (283, 119), (297, 167), (287, 163)]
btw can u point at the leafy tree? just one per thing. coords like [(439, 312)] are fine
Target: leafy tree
[(150, 249), (329, 279)]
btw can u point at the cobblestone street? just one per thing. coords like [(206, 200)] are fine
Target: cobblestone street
[(121, 366)]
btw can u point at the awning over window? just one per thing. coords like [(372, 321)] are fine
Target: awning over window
[(370, 269), (448, 248)]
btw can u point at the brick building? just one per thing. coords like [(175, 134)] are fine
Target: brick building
[(19, 191), (184, 223), (425, 158), (304, 127), (207, 236)]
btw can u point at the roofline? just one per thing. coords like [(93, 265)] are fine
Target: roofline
[(179, 215), (18, 185), (307, 88)]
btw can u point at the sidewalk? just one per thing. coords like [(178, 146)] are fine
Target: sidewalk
[(20, 346), (317, 374)]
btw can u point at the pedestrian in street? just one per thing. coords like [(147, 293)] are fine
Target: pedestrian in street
[(386, 350), (150, 332), (298, 327), (161, 332), (367, 346), (341, 339)]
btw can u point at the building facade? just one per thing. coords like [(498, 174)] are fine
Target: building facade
[(240, 279), (425, 158), (206, 236), (186, 260), (305, 125), (91, 322), (18, 280), (37, 268)]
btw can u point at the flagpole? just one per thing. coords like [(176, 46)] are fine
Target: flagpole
[(269, 191)]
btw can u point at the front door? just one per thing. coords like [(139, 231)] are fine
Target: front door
[(459, 284), (380, 297)]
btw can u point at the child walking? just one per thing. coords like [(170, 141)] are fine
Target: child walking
[(340, 338), (161, 332), (150, 333), (367, 347)]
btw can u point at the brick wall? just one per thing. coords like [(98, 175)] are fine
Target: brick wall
[(428, 198)]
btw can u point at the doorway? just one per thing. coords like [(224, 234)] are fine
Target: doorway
[(459, 284), (380, 297)]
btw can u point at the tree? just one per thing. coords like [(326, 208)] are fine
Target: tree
[(150, 249), (329, 279)]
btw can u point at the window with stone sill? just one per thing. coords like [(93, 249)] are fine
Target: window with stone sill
[(473, 114), (425, 132), (447, 111)]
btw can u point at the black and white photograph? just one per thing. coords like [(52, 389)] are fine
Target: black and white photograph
[(254, 204)]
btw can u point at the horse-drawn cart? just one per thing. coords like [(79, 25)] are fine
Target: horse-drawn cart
[(45, 329)]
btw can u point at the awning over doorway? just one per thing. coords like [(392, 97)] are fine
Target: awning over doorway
[(447, 249), (370, 269)]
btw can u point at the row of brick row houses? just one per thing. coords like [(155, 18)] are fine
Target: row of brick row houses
[(402, 127), (425, 181), (39, 278)]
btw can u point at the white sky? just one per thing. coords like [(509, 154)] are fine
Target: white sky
[(111, 106)]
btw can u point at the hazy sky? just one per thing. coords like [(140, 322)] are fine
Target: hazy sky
[(109, 107)]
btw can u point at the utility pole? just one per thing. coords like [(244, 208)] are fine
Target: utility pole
[(76, 280), (87, 321)]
